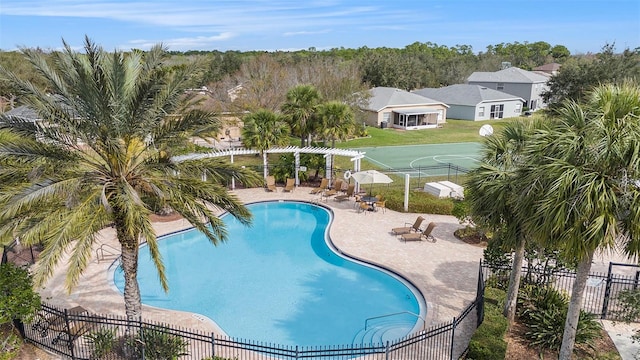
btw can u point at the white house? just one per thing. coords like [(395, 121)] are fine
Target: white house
[(391, 107), (521, 83), (475, 102)]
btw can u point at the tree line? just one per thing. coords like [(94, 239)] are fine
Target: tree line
[(263, 78)]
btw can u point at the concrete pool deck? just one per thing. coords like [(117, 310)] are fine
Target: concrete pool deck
[(446, 272)]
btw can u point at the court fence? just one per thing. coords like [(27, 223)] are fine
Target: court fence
[(418, 175), (76, 334)]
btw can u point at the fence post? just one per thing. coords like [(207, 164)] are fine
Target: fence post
[(213, 345), (65, 313), (297, 352), (635, 283), (453, 336), (142, 340), (607, 293), (386, 351)]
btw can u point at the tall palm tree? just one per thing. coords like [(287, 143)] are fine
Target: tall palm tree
[(263, 130), (492, 190), (583, 190), (337, 121), (103, 155), (299, 109)]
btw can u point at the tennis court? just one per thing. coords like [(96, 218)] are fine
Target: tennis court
[(422, 160)]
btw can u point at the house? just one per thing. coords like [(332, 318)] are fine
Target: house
[(25, 113), (551, 68), (475, 102), (515, 81), (391, 107)]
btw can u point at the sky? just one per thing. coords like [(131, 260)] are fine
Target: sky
[(582, 26)]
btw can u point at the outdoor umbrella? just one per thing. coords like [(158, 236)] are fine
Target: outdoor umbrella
[(371, 177)]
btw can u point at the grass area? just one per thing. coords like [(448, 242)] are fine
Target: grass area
[(488, 342), (452, 131)]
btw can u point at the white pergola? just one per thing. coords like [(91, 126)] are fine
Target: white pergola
[(328, 154)]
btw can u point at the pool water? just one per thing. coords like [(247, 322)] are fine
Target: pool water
[(279, 281)]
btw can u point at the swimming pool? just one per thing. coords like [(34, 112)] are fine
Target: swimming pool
[(280, 281)]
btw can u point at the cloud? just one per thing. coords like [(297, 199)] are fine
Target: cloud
[(197, 42)]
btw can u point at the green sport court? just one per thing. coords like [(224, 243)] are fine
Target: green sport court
[(424, 160)]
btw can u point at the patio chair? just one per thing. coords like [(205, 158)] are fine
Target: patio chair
[(350, 189), (364, 207), (337, 186), (271, 183), (323, 186), (290, 185), (425, 235), (382, 204), (407, 229)]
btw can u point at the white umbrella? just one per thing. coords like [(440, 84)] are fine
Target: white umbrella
[(371, 177)]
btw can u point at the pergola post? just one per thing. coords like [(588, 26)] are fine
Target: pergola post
[(264, 165), (233, 179), (296, 155), (327, 166)]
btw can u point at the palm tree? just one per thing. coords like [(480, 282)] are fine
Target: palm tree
[(582, 185), (299, 109), (492, 189), (263, 130), (337, 121), (103, 155)]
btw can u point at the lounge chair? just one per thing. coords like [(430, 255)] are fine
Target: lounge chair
[(271, 183), (425, 235), (323, 186), (350, 189), (407, 229), (290, 185), (337, 186)]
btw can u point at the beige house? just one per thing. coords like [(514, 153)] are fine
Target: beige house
[(400, 109)]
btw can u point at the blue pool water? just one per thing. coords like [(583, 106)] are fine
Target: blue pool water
[(279, 281)]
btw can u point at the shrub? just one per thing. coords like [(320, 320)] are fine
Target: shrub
[(543, 310), (157, 344), (9, 345), (17, 298), (102, 342), (487, 343), (419, 202)]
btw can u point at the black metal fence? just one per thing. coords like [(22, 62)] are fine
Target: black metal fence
[(76, 334), (601, 293)]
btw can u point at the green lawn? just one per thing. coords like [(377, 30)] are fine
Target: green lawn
[(452, 131)]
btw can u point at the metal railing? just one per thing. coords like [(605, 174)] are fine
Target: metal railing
[(601, 293), (84, 336), (106, 249), (424, 322)]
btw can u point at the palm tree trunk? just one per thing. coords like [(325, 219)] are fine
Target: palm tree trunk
[(265, 165), (514, 284), (575, 305), (132, 301)]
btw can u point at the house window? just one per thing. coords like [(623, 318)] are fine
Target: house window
[(518, 108), (386, 117), (500, 86), (481, 111), (496, 111)]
